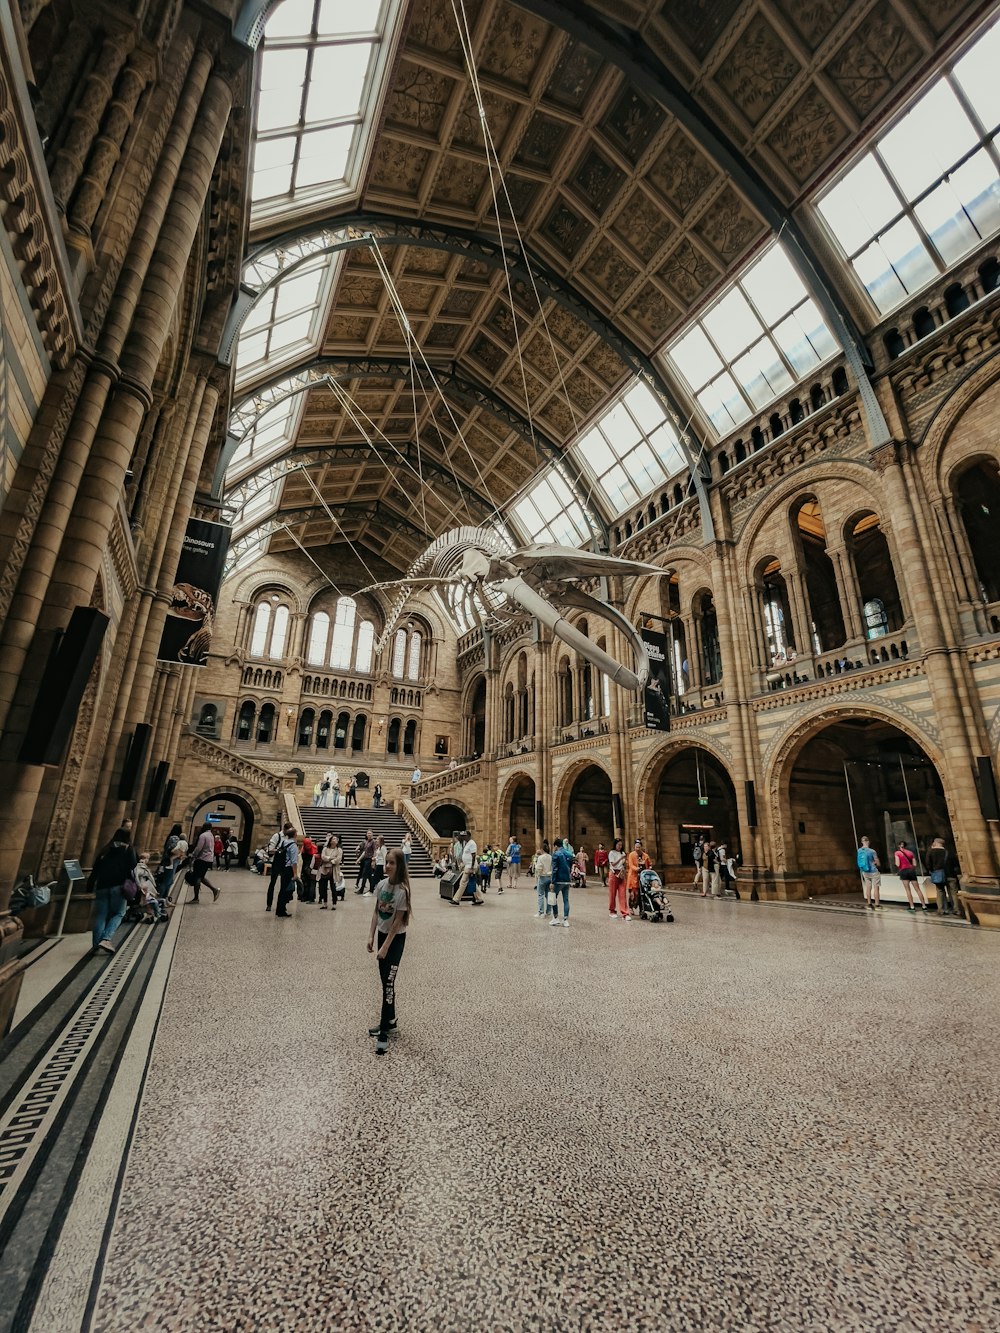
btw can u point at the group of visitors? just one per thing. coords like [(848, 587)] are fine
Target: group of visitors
[(329, 793), (716, 868), (942, 876)]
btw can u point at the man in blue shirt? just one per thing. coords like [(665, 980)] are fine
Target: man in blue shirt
[(871, 880), (562, 863), (513, 855)]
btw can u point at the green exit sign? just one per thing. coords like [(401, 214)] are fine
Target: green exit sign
[(703, 800)]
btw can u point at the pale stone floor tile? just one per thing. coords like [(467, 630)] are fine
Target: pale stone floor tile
[(743, 1120)]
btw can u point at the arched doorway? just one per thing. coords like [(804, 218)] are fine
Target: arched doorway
[(859, 776), (695, 795), (589, 817), (519, 810), (446, 820), (225, 811), (977, 490)]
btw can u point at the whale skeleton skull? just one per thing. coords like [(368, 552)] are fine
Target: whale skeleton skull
[(497, 585)]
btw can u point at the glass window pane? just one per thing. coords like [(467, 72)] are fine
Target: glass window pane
[(976, 185), (335, 16), (908, 255), (724, 404), (324, 155), (877, 274), (293, 18), (944, 219), (977, 73), (337, 80), (773, 285), (280, 632), (261, 620), (620, 429), (861, 204), (667, 448), (928, 140), (732, 324), (318, 632), (696, 358), (793, 340), (366, 642), (270, 184), (596, 451), (645, 407), (761, 373)]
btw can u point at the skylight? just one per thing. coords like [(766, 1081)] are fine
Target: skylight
[(550, 512), (928, 192), (268, 434), (762, 335), (322, 70), (287, 322), (631, 449)]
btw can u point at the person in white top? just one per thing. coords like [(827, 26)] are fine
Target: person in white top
[(543, 878), (407, 849), (470, 861), (378, 862), (416, 775), (617, 897)]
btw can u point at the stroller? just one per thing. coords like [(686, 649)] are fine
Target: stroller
[(653, 904), (577, 879)]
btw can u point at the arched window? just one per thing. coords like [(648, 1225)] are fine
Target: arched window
[(323, 730), (978, 493), (827, 615), (399, 653), (244, 727), (366, 642), (711, 656), (358, 733), (776, 614), (880, 603), (279, 632), (392, 740), (261, 624), (269, 632), (410, 736), (306, 720), (265, 725), (340, 731), (342, 646), (319, 632), (413, 662)]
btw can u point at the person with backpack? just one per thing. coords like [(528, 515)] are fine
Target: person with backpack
[(698, 852), (170, 859), (115, 864), (513, 862), (942, 866), (231, 852), (906, 864), (290, 867), (562, 865), (276, 855), (392, 916), (871, 880)]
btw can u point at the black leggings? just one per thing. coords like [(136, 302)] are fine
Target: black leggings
[(387, 969)]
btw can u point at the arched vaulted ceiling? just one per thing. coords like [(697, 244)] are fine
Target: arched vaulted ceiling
[(647, 150)]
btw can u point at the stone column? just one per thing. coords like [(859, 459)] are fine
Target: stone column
[(957, 710), (848, 591), (107, 146), (798, 605), (63, 74), (86, 117)]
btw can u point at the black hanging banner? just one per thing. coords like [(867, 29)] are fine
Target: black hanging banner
[(187, 632), (656, 700)]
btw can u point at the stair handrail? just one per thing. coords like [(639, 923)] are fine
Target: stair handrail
[(435, 845), (235, 764), (293, 815), (450, 777)]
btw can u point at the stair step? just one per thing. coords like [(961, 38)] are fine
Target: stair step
[(350, 824)]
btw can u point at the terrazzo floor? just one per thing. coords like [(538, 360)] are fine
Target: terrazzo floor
[(746, 1120)]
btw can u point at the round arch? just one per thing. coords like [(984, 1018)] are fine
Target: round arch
[(517, 805), (447, 815), (253, 817), (846, 770), (659, 820), (583, 807)]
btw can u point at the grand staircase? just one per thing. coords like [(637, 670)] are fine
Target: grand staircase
[(350, 825)]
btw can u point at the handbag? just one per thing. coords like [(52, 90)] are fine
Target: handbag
[(551, 897), (938, 877)]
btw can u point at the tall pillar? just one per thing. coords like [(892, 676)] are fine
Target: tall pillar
[(957, 711), (86, 117), (848, 592)]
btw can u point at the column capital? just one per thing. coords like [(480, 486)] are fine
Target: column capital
[(884, 456)]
